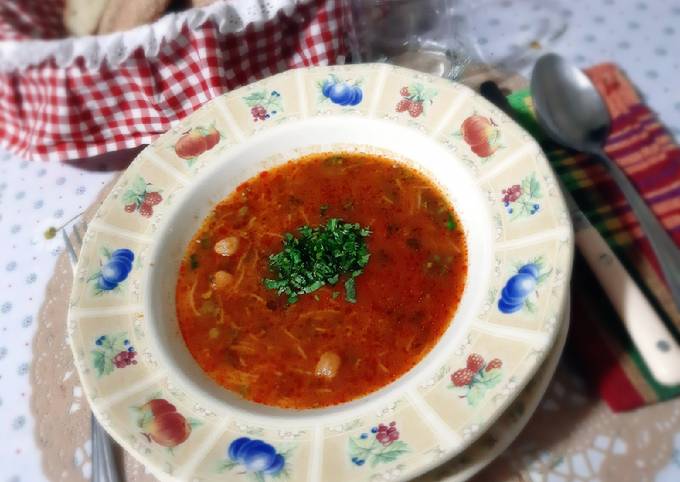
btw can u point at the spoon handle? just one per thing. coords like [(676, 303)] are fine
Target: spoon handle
[(104, 467), (665, 249)]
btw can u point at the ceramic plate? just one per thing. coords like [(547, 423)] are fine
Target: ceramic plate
[(150, 395), (509, 425)]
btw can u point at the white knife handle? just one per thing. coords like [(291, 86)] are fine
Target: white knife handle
[(655, 343)]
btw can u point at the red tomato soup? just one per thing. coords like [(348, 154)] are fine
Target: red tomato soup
[(322, 280)]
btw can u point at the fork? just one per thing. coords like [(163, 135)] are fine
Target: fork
[(104, 467)]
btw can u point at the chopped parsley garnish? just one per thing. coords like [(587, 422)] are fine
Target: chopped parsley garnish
[(320, 256), (351, 290), (450, 223)]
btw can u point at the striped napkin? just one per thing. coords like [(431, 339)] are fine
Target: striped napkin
[(647, 153)]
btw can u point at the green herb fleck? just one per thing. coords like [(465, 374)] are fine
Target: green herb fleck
[(438, 265), (335, 295), (193, 261), (320, 256), (351, 290), (450, 223), (316, 297), (323, 209)]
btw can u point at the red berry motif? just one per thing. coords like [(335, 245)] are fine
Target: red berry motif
[(476, 378), (259, 113), (125, 358), (140, 196), (414, 98), (263, 104), (522, 200), (403, 105), (475, 362), (386, 435), (415, 109), (146, 210), (380, 445), (512, 193), (114, 348), (462, 377), (152, 198)]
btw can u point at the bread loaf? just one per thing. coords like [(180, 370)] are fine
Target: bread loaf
[(82, 17), (123, 15)]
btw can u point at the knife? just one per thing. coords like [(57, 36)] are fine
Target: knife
[(649, 333)]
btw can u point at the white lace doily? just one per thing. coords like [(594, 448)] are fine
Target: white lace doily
[(228, 16)]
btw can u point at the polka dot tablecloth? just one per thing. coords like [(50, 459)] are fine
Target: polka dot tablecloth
[(33, 197), (643, 37)]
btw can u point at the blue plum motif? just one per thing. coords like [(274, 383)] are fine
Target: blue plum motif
[(104, 285), (520, 286), (341, 92), (326, 88), (531, 268), (114, 270), (254, 456), (124, 253), (508, 307)]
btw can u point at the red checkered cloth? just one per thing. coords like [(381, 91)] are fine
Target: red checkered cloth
[(31, 19), (53, 113)]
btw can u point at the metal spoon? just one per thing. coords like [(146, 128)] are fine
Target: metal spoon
[(572, 113)]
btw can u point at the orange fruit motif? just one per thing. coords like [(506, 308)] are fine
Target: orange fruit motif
[(196, 141), (212, 137), (481, 134), (163, 424)]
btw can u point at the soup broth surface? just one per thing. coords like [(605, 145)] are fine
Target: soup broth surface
[(325, 347)]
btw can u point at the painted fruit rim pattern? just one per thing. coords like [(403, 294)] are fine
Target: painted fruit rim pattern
[(510, 424), (177, 437)]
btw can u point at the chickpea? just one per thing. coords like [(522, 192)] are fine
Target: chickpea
[(221, 279), (328, 365), (227, 246)]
